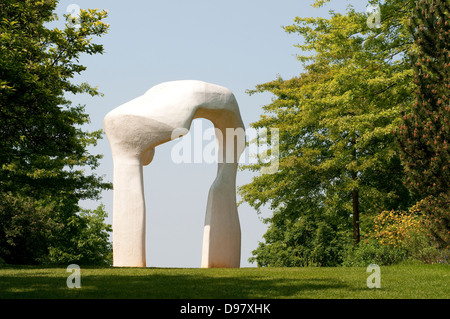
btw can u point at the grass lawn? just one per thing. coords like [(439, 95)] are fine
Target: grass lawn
[(407, 281)]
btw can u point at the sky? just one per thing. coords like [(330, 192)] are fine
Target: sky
[(236, 44)]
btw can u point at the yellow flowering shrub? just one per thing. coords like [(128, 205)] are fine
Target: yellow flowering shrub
[(396, 227), (409, 232)]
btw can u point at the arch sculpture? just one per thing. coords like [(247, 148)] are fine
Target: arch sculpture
[(163, 113)]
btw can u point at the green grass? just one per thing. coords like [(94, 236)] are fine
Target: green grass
[(407, 281)]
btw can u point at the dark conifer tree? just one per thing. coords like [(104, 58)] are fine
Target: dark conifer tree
[(425, 132)]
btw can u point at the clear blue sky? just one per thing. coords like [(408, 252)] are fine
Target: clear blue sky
[(236, 44)]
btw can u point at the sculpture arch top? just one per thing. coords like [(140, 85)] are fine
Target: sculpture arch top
[(135, 128), (169, 106)]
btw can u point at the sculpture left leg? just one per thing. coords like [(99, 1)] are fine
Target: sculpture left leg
[(128, 213)]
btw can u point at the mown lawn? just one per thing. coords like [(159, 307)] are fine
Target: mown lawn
[(397, 282)]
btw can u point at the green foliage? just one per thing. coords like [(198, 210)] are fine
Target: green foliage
[(304, 242), (421, 248), (397, 236), (372, 252), (24, 226), (37, 232), (44, 161), (437, 212), (424, 133), (417, 248), (43, 147), (338, 155), (90, 246)]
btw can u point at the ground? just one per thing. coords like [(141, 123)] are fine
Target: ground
[(406, 281)]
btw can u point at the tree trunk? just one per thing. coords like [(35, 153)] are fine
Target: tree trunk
[(355, 199)]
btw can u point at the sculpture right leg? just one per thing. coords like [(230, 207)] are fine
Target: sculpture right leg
[(128, 212), (222, 231)]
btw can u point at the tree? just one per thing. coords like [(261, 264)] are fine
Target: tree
[(43, 146), (90, 245), (338, 156), (25, 227), (425, 131), (34, 232)]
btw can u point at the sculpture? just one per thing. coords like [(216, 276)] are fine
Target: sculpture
[(162, 114)]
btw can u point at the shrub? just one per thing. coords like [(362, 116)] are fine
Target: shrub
[(437, 221), (373, 252), (39, 232), (399, 235), (24, 228), (421, 247), (396, 227), (300, 243), (89, 244)]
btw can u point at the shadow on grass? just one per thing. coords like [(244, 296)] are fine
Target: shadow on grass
[(51, 283), (187, 287)]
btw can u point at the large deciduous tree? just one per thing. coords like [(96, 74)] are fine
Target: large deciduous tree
[(44, 155), (339, 162)]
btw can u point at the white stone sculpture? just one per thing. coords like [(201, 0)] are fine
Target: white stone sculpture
[(163, 113)]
